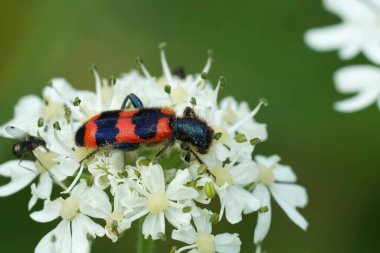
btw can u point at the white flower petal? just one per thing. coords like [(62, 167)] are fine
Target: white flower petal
[(264, 219), (27, 110), (356, 103), (68, 166), (372, 50), (95, 203), (293, 194), (284, 173), (289, 209), (153, 225), (202, 222), (80, 188), (58, 240), (356, 78), (237, 199), (20, 177), (350, 9), (227, 243), (153, 178), (328, 38), (33, 200), (45, 186), (268, 161), (121, 191), (353, 48), (186, 234), (244, 173), (363, 79), (176, 189), (176, 216), (258, 130), (48, 213), (82, 226)]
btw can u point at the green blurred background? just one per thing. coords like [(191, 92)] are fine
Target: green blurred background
[(260, 50)]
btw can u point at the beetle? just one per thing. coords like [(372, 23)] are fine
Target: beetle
[(127, 129)]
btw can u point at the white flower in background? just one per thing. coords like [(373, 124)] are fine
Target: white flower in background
[(74, 232), (279, 181), (358, 32), (166, 189), (201, 239), (361, 79), (160, 201)]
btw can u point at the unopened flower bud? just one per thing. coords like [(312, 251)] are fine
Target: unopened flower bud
[(168, 89), (209, 190), (77, 101), (218, 135), (240, 138), (57, 126), (214, 218), (255, 141), (186, 209), (161, 236), (41, 122)]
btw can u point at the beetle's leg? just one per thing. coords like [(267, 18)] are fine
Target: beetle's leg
[(45, 147), (168, 144), (87, 156), (186, 147), (196, 156), (187, 156), (136, 102), (189, 112)]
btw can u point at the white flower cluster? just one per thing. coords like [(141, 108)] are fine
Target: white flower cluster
[(359, 32), (104, 192)]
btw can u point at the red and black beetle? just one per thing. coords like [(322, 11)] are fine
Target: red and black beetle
[(126, 129)]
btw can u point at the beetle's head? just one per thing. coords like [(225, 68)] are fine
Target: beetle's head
[(194, 131)]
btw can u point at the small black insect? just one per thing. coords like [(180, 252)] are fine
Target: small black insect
[(180, 72), (27, 143)]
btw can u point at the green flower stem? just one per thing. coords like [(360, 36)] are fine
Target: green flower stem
[(143, 245)]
